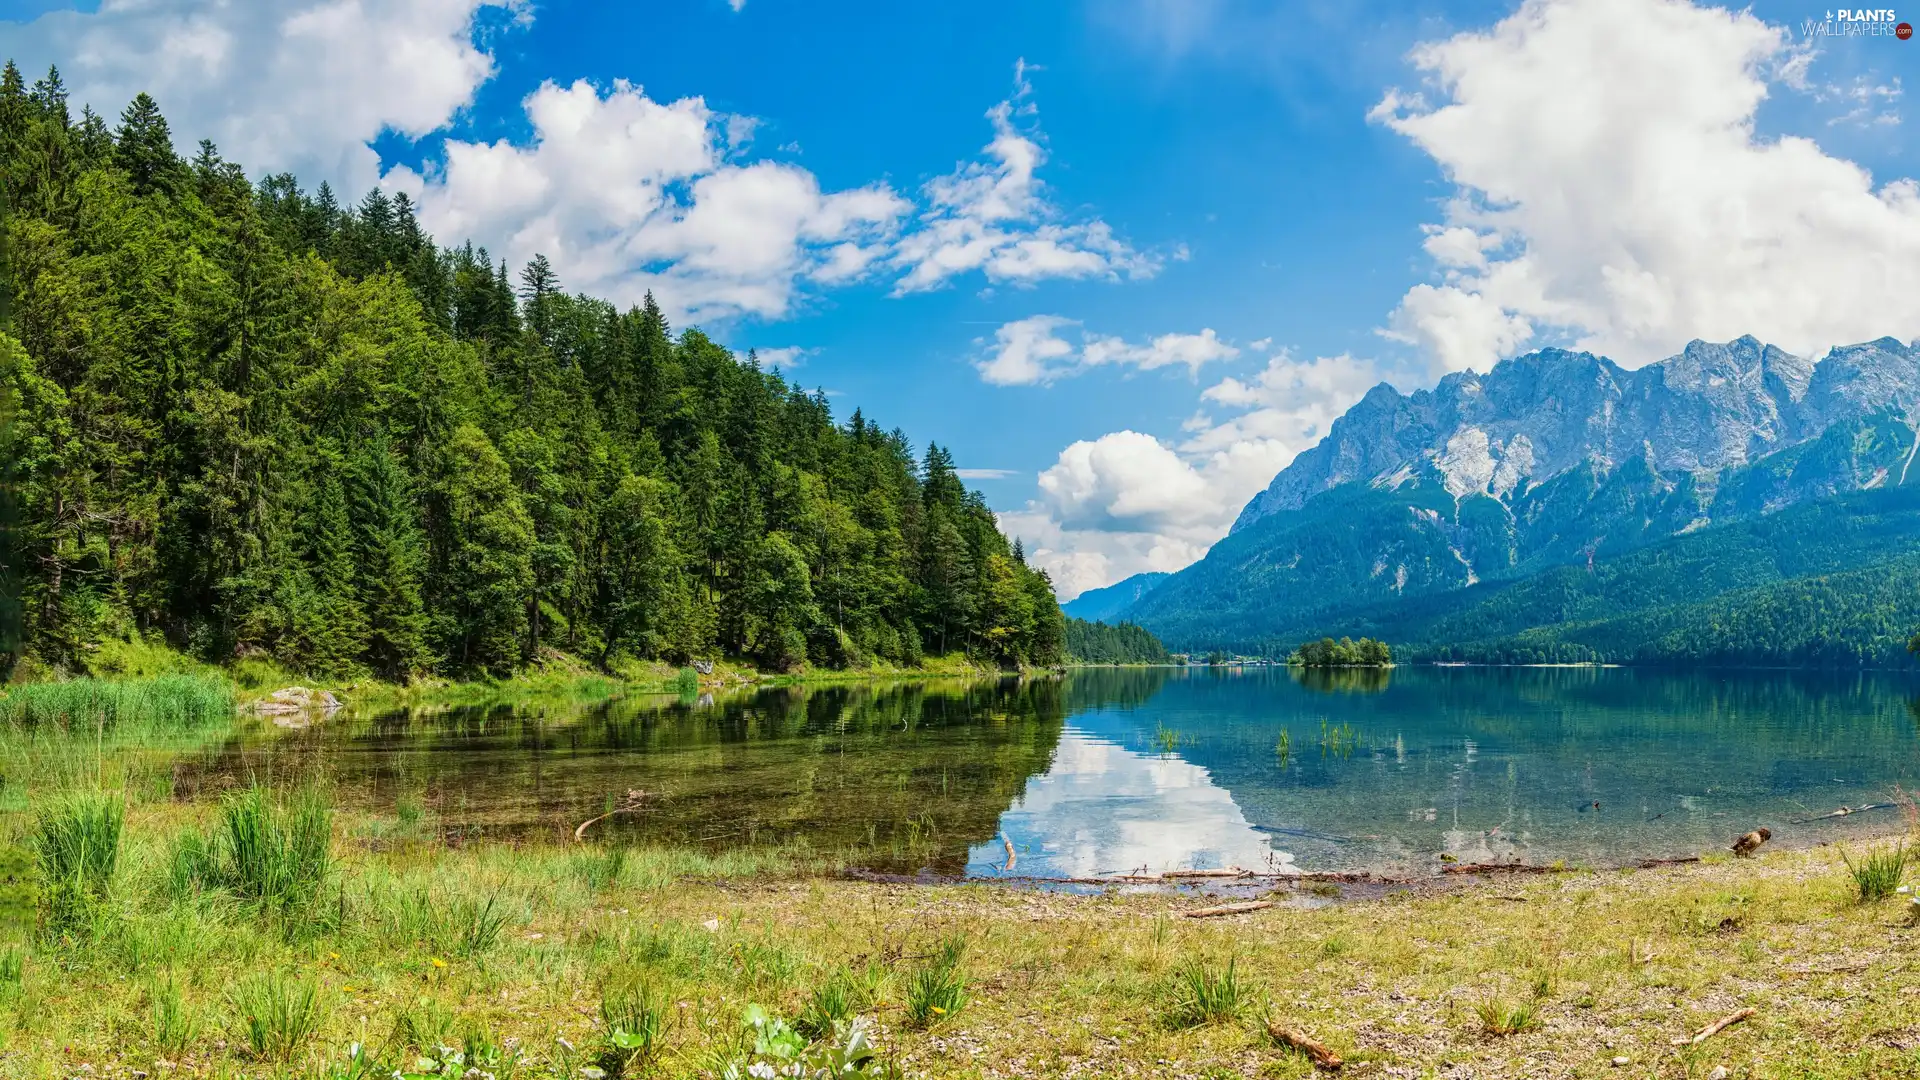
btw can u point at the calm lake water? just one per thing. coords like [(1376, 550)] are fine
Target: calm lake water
[(1101, 771)]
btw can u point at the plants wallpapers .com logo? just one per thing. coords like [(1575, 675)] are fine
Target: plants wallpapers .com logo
[(1858, 22)]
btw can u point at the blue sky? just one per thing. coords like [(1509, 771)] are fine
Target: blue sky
[(1249, 212)]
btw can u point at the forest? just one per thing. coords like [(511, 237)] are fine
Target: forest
[(252, 421), (1121, 643)]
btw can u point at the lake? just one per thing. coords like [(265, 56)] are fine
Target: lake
[(1109, 770)]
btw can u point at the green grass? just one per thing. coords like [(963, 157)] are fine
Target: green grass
[(274, 851), (76, 842), (175, 1025), (634, 1020), (1877, 874), (1500, 1018), (1204, 993), (276, 1013), (965, 981), (937, 989), (172, 701)]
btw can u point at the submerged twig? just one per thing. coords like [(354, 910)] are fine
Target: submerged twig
[(1846, 811), (634, 799)]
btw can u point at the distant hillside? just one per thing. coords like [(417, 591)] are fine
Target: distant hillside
[(1098, 605), (1733, 504)]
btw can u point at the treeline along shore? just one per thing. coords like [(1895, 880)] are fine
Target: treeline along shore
[(251, 421)]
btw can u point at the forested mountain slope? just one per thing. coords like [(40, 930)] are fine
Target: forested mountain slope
[(1558, 471), (257, 422), (1097, 605)]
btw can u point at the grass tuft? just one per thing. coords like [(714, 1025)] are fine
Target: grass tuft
[(636, 1027), (1204, 994), (1877, 874), (278, 1013), (77, 844), (830, 1004), (937, 990), (1500, 1017), (174, 1025)]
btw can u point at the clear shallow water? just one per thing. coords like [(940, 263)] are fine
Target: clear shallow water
[(1111, 770)]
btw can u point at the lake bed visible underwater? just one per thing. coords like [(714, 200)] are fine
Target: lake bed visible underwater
[(1104, 771)]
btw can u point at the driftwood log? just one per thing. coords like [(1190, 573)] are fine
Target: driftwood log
[(1228, 909), (1716, 1028), (1316, 1051)]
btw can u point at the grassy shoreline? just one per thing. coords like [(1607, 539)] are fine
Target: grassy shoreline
[(410, 945), (560, 677)]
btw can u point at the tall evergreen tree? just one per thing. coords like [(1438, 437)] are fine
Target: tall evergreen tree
[(143, 147)]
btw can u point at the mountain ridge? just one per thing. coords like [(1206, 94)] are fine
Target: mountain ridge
[(1551, 459)]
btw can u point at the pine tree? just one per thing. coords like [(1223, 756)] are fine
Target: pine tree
[(390, 561), (144, 148), (16, 110), (538, 287), (490, 568), (50, 100)]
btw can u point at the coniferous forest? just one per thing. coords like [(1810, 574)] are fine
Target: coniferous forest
[(1120, 643), (255, 421)]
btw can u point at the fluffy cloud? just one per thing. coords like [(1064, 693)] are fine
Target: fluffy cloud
[(785, 358), (625, 194), (278, 84), (1127, 502), (1033, 350), (1611, 188), (993, 216)]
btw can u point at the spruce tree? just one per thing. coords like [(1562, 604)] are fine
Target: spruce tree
[(143, 148), (390, 561)]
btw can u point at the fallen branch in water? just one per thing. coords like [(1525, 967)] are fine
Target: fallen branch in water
[(1315, 1050), (1010, 855), (634, 799), (1500, 868), (1228, 872), (1228, 909), (1845, 811), (1716, 1028)]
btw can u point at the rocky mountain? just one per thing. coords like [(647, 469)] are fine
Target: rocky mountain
[(1551, 459), (1102, 605)]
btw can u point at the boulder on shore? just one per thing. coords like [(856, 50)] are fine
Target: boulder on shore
[(296, 699)]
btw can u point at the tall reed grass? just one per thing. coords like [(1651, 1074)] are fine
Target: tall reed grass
[(273, 851), (180, 701), (76, 840)]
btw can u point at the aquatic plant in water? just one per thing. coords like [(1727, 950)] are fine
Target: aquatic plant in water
[(178, 701)]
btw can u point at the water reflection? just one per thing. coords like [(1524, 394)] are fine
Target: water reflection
[(1103, 809), (1342, 680), (1113, 770)]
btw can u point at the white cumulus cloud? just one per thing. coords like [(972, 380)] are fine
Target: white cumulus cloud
[(296, 85), (993, 216), (1611, 188), (1035, 350), (1129, 502), (624, 194)]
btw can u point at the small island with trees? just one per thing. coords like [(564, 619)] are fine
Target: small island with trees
[(1328, 653)]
